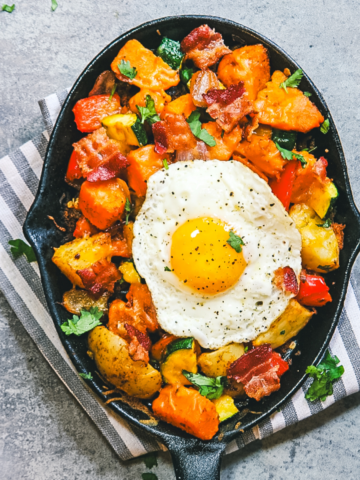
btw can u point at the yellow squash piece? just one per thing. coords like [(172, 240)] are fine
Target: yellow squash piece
[(288, 325), (118, 127), (130, 275), (225, 407), (179, 360), (81, 253), (215, 364), (111, 355)]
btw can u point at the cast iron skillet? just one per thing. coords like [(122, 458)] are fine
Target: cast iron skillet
[(193, 459)]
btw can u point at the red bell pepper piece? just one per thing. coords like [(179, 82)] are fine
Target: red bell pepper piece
[(313, 290), (84, 228), (282, 188), (91, 110), (73, 171), (277, 360)]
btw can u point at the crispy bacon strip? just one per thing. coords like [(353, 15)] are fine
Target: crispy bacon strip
[(263, 385), (173, 133), (204, 47), (160, 138), (242, 369), (285, 279), (228, 106), (115, 166), (84, 228), (140, 344), (100, 277), (339, 233)]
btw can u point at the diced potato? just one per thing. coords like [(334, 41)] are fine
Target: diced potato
[(76, 300), (320, 249), (234, 389), (111, 355), (215, 364), (225, 407), (81, 253), (288, 325), (129, 272)]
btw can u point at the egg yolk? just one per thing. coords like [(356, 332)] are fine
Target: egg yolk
[(201, 257)]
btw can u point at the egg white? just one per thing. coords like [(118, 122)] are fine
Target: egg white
[(234, 194)]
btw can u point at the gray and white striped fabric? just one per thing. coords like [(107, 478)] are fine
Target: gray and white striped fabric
[(20, 282)]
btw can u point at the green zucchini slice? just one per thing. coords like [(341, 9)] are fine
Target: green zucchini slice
[(169, 51), (323, 198), (180, 355), (284, 138)]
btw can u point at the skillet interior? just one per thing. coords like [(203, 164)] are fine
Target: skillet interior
[(42, 234)]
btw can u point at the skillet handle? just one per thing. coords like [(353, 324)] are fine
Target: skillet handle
[(196, 460)]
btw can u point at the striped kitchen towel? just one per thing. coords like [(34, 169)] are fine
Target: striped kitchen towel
[(20, 282)]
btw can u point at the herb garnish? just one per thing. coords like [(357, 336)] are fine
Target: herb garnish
[(8, 8), (127, 70), (293, 81), (54, 5), (150, 460), (127, 210), (324, 376), (86, 322), (282, 332), (86, 376), (113, 90), (165, 163), (327, 268), (324, 127), (200, 133), (307, 94), (235, 242), (186, 74), (289, 155), (167, 269), (246, 349), (19, 247), (326, 224), (148, 113), (210, 388)]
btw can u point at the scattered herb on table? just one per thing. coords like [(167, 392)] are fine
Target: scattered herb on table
[(149, 476), (324, 376), (127, 70), (148, 113), (150, 460), (235, 242), (200, 133), (293, 81), (86, 322), (8, 8), (289, 155), (210, 388), (54, 5), (324, 127), (19, 247)]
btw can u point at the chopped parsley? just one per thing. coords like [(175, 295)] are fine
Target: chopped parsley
[(282, 332), (150, 460), (167, 269), (200, 133), (113, 90), (8, 8), (246, 349), (235, 242), (326, 224), (324, 127), (127, 70), (86, 376), (324, 376), (289, 155), (148, 113), (186, 74), (149, 476), (210, 388), (127, 210), (293, 81), (19, 247), (165, 163), (86, 322), (54, 5), (307, 94)]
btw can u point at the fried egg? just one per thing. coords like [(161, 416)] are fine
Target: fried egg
[(207, 241)]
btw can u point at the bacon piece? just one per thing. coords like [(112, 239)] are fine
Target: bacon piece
[(199, 152), (320, 168), (204, 47), (140, 344), (94, 150), (263, 385), (339, 233), (84, 228), (173, 133), (100, 277), (242, 369), (285, 279), (139, 299), (228, 106), (115, 166)]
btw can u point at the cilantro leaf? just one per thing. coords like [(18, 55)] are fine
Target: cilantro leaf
[(324, 376), (235, 242), (307, 94), (324, 127), (200, 133), (8, 8), (127, 70), (127, 210), (86, 376), (293, 81), (186, 74), (167, 269), (210, 388), (165, 163), (113, 90), (149, 476), (54, 5), (326, 224), (86, 322), (289, 155), (19, 247), (150, 460), (148, 113)]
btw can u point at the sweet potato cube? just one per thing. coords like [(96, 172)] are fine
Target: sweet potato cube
[(160, 98), (183, 105), (103, 202), (144, 162), (81, 253), (226, 144)]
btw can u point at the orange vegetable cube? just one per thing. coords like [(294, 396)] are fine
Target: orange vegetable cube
[(183, 105), (102, 203), (160, 99), (185, 408), (144, 162), (226, 144), (90, 111)]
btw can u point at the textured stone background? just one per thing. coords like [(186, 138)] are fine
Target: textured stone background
[(44, 434)]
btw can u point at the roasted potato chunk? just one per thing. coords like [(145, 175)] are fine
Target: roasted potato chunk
[(76, 300), (320, 249), (249, 64), (111, 355), (214, 364), (81, 253), (288, 325)]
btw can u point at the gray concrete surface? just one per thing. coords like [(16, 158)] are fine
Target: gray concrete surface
[(44, 434)]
